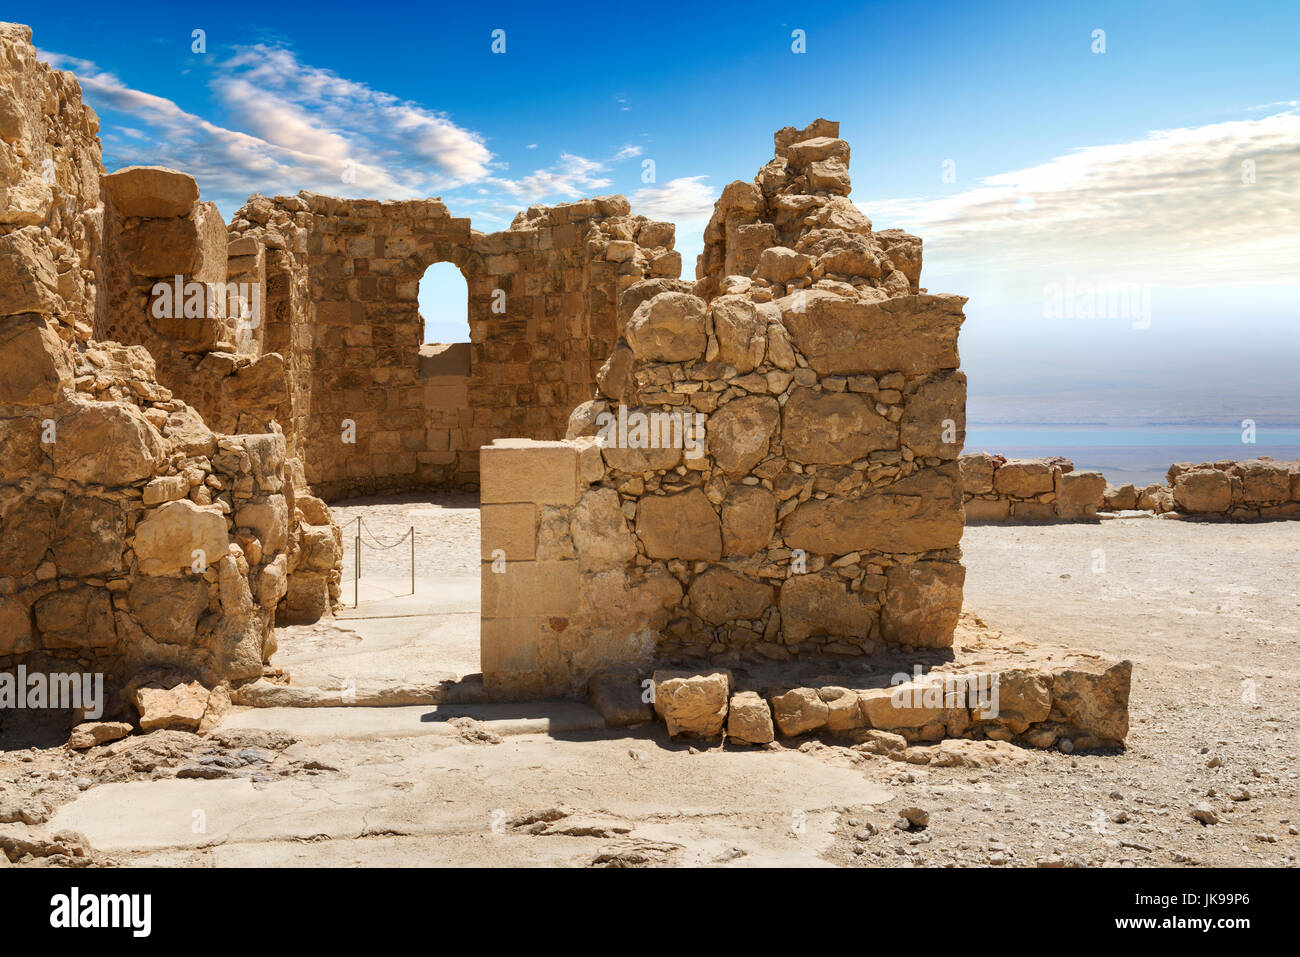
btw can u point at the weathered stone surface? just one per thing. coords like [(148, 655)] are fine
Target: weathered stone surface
[(36, 369), (1095, 701), (176, 535), (668, 328), (169, 608), (15, 628), (977, 472), (88, 734), (1079, 489), (820, 604), (934, 416), (692, 704), (191, 245), (619, 698), (180, 706), (1023, 478), (739, 433), (1264, 482), (781, 264), (833, 428), (80, 617), (90, 536), (599, 530), (915, 335), (1203, 490), (922, 602), (719, 595), (843, 712), (151, 191), (799, 711), (741, 332), (28, 277), (919, 513), (1024, 698), (679, 526), (106, 443), (749, 719), (26, 532), (748, 519)]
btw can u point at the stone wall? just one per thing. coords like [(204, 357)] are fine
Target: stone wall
[(375, 409), (823, 512), (132, 537), (998, 489)]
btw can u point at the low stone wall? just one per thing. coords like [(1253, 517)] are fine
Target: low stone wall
[(998, 489)]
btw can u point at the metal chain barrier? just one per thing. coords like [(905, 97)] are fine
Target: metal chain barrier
[(376, 543)]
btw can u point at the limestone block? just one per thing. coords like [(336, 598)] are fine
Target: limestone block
[(719, 595), (915, 335), (1023, 478), (166, 488), (180, 707), (79, 618), (821, 604), (833, 428), (600, 532), (151, 191), (15, 628), (748, 520), (510, 528), (1093, 699), (1203, 491), (169, 608), (523, 470), (934, 416), (668, 328), (692, 704), (105, 443), (679, 526), (168, 538), (988, 510), (741, 332), (28, 277), (922, 602), (89, 537), (780, 264), (799, 711), (977, 472), (749, 719), (1079, 489), (530, 589), (36, 367), (739, 433)]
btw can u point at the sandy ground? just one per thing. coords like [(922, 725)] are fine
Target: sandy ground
[(1208, 614)]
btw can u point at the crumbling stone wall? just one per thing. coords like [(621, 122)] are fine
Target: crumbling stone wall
[(132, 537), (998, 489), (824, 513), (374, 409)]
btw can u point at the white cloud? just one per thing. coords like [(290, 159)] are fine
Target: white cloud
[(1169, 209), (678, 200)]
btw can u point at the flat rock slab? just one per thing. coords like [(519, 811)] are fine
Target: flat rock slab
[(537, 717)]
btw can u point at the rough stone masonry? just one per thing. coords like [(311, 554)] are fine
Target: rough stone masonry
[(825, 513)]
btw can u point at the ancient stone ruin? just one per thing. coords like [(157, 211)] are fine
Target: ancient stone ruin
[(823, 511), (998, 489), (754, 470)]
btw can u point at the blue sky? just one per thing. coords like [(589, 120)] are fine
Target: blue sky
[(1115, 173)]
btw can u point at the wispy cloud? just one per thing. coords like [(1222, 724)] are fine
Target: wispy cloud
[(1199, 206), (291, 126)]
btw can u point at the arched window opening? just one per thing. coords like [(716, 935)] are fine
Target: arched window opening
[(444, 305)]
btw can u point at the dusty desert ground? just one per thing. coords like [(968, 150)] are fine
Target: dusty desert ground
[(1209, 614)]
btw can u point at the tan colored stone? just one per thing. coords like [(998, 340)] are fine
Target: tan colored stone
[(600, 532), (105, 443), (668, 328), (1094, 699), (719, 595), (915, 335), (741, 332), (833, 428), (176, 535), (80, 618), (922, 603), (821, 604), (934, 416), (683, 526), (799, 711), (36, 368), (180, 707), (151, 191), (1078, 489), (1203, 491), (977, 472), (749, 719), (748, 519), (522, 470), (692, 704), (88, 734), (739, 433)]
